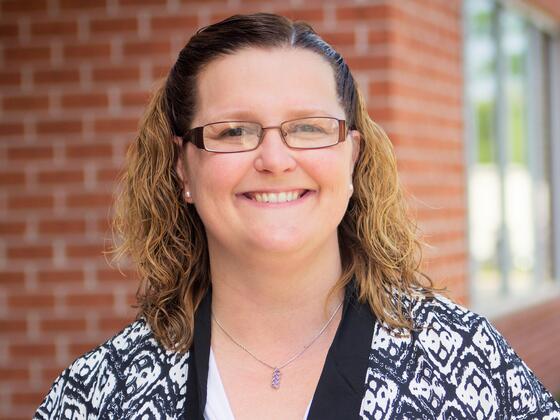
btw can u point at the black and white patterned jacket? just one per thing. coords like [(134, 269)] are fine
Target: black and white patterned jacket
[(457, 367)]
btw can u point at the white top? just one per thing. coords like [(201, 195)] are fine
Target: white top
[(217, 404)]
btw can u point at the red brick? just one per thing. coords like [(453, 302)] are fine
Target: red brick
[(146, 48), (54, 28), (160, 70), (82, 347), (59, 127), (63, 226), (137, 3), (114, 276), (30, 202), (27, 153), (85, 251), (11, 129), (18, 6), (368, 62), (26, 103), (9, 30), (114, 323), (29, 351), (84, 100), (31, 301), (11, 278), (29, 252), (12, 178), (50, 372), (116, 74), (90, 300), (26, 54), (81, 4), (12, 228), (115, 125), (366, 13), (27, 398), (339, 38), (113, 26), (87, 51), (175, 23), (14, 374), (109, 174), (11, 326), (87, 151), (56, 77), (381, 37), (60, 276), (550, 7), (89, 200), (312, 16), (103, 225), (135, 99), (62, 325), (8, 78), (60, 176)]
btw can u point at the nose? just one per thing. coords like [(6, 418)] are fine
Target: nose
[(273, 155)]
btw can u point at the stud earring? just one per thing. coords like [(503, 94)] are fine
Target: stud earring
[(188, 194), (351, 187)]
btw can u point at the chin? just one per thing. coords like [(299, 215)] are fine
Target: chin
[(279, 243)]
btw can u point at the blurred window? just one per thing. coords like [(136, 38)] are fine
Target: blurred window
[(509, 138)]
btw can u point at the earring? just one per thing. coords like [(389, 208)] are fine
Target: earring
[(188, 194), (351, 188)]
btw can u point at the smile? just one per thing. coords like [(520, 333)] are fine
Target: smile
[(276, 197)]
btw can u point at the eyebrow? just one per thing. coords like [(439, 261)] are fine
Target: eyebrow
[(242, 115)]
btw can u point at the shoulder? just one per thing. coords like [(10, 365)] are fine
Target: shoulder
[(455, 363), (119, 376)]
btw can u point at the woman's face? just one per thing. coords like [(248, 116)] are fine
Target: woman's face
[(269, 87)]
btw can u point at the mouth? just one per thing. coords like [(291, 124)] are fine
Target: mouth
[(276, 197)]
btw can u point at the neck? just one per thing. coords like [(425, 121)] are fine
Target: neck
[(267, 300)]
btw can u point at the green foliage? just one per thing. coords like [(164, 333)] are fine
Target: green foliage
[(485, 131)]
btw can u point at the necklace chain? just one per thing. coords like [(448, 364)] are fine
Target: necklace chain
[(276, 369)]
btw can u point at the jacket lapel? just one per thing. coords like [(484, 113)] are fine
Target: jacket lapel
[(197, 378), (342, 386)]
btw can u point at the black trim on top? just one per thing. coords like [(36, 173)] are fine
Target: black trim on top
[(197, 378)]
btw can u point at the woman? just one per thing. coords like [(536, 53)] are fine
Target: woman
[(280, 271)]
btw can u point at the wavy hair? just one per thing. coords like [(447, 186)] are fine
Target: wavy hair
[(166, 238)]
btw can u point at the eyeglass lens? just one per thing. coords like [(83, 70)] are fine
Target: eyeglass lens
[(305, 133)]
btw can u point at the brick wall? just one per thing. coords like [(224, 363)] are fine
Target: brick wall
[(74, 79), (535, 334)]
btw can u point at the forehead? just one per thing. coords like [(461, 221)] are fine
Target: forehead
[(268, 84)]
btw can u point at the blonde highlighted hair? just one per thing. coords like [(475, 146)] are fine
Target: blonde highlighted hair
[(166, 239)]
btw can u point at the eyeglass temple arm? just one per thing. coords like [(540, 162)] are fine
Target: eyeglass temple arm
[(195, 137)]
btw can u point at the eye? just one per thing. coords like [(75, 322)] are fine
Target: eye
[(306, 128), (234, 132)]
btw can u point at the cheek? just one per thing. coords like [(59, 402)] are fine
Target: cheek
[(209, 172), (333, 169)]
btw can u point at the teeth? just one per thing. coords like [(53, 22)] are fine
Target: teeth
[(276, 197)]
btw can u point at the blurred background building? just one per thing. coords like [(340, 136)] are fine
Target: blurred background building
[(468, 91)]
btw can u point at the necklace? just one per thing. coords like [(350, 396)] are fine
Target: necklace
[(276, 370)]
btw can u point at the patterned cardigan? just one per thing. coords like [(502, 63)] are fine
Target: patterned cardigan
[(457, 366)]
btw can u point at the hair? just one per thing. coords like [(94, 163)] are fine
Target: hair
[(166, 238)]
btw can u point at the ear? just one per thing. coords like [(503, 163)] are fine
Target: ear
[(181, 171), (356, 138)]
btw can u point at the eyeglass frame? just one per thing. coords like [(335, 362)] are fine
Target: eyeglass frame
[(195, 135)]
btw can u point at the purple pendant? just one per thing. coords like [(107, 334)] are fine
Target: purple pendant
[(276, 378)]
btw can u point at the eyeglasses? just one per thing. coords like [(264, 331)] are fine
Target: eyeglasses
[(244, 136)]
